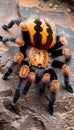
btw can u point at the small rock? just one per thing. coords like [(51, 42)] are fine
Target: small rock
[(56, 6), (37, 11), (40, 5), (67, 108), (16, 124), (68, 10), (50, 5), (66, 126)]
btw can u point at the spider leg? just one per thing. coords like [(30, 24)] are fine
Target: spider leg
[(6, 39), (42, 84), (51, 103), (11, 23), (57, 38), (54, 88), (27, 86), (23, 73), (18, 58), (17, 92), (66, 71), (50, 75), (62, 52), (31, 79), (18, 41), (9, 71), (61, 41)]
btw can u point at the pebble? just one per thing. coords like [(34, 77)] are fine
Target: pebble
[(40, 5), (56, 6), (66, 108), (68, 10), (50, 5)]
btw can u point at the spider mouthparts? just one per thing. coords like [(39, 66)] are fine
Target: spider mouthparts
[(39, 64)]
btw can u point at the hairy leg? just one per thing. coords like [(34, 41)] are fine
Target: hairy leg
[(23, 73), (44, 80), (11, 23), (31, 79), (61, 41), (17, 92), (54, 88), (66, 71), (27, 86), (9, 71), (41, 88), (18, 41), (18, 58), (62, 52)]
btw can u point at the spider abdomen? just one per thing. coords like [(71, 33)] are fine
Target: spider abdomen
[(41, 33)]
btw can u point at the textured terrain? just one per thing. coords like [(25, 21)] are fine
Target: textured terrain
[(31, 112)]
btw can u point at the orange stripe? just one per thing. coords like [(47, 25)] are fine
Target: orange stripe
[(31, 25), (44, 32)]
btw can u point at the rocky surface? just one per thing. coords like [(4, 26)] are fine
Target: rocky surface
[(70, 3), (31, 112)]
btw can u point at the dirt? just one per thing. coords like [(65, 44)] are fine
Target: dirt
[(31, 111)]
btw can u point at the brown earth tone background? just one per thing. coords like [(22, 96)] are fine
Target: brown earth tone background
[(31, 112)]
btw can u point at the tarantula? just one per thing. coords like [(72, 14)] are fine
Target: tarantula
[(39, 46)]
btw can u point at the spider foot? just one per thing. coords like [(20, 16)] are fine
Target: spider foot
[(4, 77), (5, 27), (14, 102), (42, 88), (50, 109), (69, 89), (40, 92), (25, 91)]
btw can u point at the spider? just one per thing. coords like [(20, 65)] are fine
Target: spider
[(39, 46)]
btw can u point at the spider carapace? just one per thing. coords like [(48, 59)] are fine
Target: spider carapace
[(39, 49)]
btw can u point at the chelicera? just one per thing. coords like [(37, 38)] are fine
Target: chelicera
[(39, 46)]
